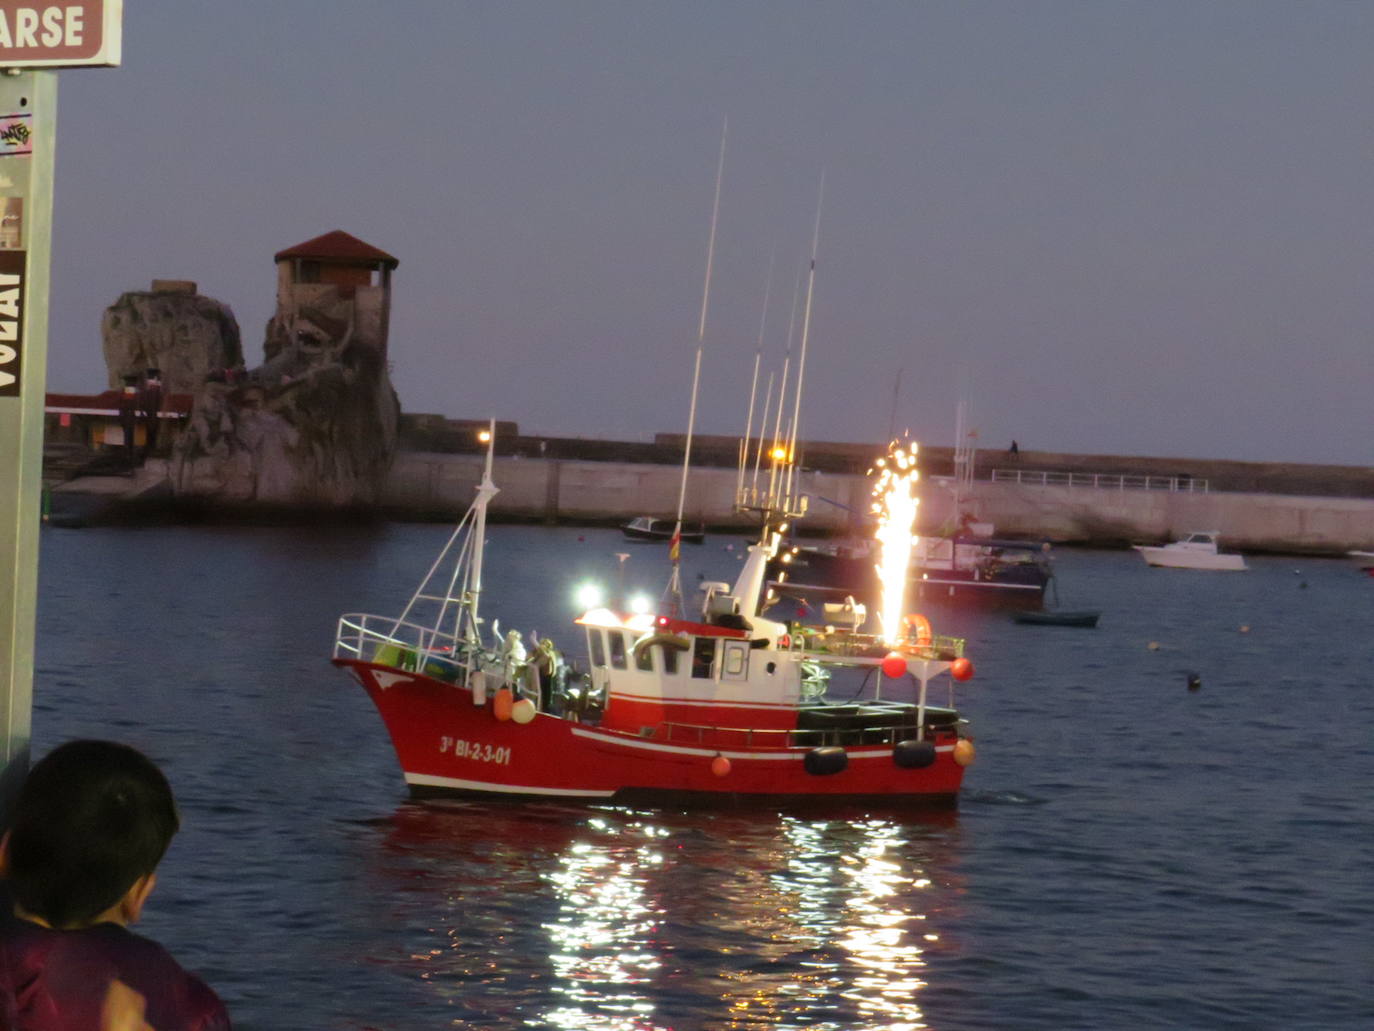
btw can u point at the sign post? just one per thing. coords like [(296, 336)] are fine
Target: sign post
[(35, 37)]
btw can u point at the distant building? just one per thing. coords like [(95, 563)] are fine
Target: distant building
[(94, 420), (332, 288)]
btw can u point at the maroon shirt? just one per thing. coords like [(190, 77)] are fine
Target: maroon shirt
[(57, 980)]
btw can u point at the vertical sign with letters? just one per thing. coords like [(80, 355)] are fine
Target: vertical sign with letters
[(36, 36), (11, 321)]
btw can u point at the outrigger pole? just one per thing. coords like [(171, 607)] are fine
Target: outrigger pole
[(675, 546)]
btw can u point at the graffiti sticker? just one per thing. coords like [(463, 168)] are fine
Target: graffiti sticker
[(16, 134)]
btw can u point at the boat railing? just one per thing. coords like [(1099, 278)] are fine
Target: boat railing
[(1100, 481), (383, 640)]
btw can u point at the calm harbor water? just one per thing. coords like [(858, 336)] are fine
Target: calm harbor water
[(1127, 854)]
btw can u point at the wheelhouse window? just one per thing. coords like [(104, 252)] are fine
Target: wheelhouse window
[(644, 659), (669, 659), (595, 648), (617, 642), (703, 657), (736, 660)]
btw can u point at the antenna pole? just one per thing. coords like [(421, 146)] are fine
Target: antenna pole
[(675, 583), (896, 394)]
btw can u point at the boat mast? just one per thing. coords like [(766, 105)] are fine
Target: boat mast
[(774, 463), (801, 358), (675, 548), (486, 490), (964, 451), (754, 386)]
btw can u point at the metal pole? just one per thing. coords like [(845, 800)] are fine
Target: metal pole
[(28, 108)]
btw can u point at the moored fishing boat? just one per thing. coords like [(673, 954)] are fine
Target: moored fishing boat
[(725, 706), (979, 571)]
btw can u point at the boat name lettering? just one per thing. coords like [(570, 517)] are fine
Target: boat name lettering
[(478, 751)]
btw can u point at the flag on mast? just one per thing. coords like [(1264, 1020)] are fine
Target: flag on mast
[(675, 545)]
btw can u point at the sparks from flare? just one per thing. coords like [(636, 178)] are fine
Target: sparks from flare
[(895, 503)]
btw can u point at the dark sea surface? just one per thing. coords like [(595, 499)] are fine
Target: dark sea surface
[(1127, 853)]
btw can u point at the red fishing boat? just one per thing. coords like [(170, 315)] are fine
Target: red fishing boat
[(727, 705), (718, 706)]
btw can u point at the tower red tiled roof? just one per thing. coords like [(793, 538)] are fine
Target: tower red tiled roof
[(338, 246)]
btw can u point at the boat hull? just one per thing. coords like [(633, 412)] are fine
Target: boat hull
[(447, 744), (1362, 560), (662, 530), (1079, 619)]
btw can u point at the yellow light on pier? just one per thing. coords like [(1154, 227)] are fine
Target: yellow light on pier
[(484, 436)]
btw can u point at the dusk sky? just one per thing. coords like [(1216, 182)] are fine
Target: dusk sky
[(1128, 227)]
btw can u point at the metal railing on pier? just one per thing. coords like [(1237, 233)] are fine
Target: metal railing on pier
[(1100, 481)]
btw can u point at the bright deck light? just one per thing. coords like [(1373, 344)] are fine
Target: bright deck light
[(640, 604), (589, 596)]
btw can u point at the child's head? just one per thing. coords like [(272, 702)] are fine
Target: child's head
[(92, 819)]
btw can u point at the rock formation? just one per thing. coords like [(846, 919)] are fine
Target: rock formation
[(315, 426), (172, 328)]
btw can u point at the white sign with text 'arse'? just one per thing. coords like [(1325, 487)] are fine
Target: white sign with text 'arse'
[(60, 35)]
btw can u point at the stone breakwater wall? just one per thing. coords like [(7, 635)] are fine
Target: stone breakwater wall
[(440, 486)]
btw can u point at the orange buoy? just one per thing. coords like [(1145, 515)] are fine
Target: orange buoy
[(961, 669), (720, 766), (963, 752), (502, 703), (894, 665)]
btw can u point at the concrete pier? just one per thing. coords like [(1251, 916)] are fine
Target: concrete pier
[(435, 485)]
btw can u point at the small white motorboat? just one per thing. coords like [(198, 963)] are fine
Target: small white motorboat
[(1195, 551), (1362, 559)]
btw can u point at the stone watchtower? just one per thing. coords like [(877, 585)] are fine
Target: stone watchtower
[(334, 289), (315, 425)]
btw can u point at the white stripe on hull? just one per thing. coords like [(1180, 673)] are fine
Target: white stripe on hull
[(426, 780)]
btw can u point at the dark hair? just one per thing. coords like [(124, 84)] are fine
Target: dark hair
[(91, 819)]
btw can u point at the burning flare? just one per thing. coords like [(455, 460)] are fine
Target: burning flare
[(894, 504)]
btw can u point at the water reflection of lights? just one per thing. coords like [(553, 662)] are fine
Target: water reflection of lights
[(603, 942), (624, 920), (854, 889)]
